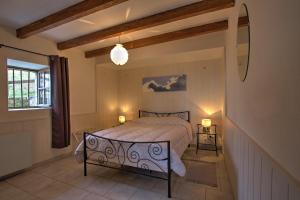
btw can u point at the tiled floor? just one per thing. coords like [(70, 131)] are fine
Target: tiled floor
[(64, 180)]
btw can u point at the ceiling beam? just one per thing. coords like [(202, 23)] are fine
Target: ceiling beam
[(166, 37), (243, 21), (179, 13), (66, 15)]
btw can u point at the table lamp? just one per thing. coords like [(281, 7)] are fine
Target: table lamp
[(122, 119), (206, 123)]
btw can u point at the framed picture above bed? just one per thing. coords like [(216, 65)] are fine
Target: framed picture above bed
[(170, 83)]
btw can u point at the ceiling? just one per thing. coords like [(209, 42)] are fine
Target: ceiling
[(16, 13)]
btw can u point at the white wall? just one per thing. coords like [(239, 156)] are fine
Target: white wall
[(107, 97), (266, 106), (203, 97), (38, 122)]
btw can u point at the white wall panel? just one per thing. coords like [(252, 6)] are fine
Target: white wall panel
[(266, 182), (280, 186), (257, 174), (294, 193), (253, 173), (245, 169)]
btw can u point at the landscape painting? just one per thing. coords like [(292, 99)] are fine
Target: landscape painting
[(165, 83)]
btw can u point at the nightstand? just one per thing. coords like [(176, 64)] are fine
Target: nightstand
[(211, 136)]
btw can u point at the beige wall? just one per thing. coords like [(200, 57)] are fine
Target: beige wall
[(107, 97), (266, 106), (38, 122), (203, 97)]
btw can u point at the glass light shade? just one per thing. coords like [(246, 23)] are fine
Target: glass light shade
[(206, 122), (119, 55), (122, 119)]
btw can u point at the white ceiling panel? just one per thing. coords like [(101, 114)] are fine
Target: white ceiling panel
[(17, 13), (173, 26), (127, 11)]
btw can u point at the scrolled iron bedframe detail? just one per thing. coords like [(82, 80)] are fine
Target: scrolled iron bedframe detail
[(117, 154)]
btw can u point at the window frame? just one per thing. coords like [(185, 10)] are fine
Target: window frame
[(44, 89), (13, 68)]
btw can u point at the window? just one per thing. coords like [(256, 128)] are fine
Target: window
[(28, 87), (44, 88)]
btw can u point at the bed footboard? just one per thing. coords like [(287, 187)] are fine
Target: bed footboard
[(147, 158)]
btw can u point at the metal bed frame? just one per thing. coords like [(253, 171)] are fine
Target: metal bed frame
[(120, 154)]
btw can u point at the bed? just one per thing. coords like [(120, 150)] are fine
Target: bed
[(151, 145)]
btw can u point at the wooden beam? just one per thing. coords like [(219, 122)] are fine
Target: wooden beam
[(66, 15), (243, 21), (179, 13), (166, 37)]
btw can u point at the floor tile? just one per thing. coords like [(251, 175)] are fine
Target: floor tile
[(161, 186), (100, 186), (9, 192), (145, 195), (217, 195), (22, 179), (143, 182), (63, 179), (69, 176), (50, 170), (188, 191), (53, 191), (123, 177), (82, 181), (121, 192), (72, 194), (30, 182), (94, 197)]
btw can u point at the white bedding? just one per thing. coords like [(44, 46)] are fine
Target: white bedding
[(146, 129)]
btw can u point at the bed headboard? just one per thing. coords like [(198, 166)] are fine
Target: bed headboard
[(183, 115)]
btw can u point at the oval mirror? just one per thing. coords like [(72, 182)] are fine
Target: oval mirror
[(243, 42)]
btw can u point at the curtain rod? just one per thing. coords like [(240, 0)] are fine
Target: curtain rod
[(10, 47)]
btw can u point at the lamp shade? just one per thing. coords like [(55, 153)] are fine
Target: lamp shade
[(119, 55), (122, 119), (206, 122)]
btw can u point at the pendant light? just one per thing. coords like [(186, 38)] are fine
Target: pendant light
[(119, 55)]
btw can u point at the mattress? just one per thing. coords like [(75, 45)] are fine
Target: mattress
[(138, 144)]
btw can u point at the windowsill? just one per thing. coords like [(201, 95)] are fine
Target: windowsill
[(29, 109)]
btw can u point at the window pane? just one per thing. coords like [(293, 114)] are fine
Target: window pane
[(41, 80), (10, 95), (33, 89), (47, 80), (47, 87), (48, 97), (10, 88), (25, 88), (18, 92), (41, 96), (10, 75)]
